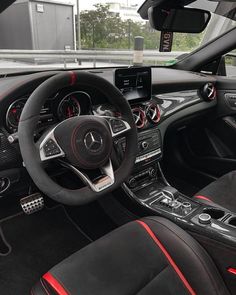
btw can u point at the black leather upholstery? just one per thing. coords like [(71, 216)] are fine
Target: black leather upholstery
[(221, 192), (147, 257)]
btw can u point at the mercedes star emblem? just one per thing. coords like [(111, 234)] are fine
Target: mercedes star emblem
[(93, 141)]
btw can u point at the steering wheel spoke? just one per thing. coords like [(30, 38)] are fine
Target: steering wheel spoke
[(104, 181), (49, 148), (117, 126)]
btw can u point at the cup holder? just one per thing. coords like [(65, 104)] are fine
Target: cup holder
[(215, 213), (232, 221)]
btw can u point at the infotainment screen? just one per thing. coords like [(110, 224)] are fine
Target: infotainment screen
[(134, 83)]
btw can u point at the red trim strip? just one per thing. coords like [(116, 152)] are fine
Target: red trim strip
[(55, 284), (168, 257), (73, 78), (232, 270), (203, 198)]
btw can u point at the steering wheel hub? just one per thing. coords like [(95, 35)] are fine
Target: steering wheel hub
[(93, 141), (86, 141)]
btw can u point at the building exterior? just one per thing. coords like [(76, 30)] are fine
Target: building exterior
[(37, 24), (124, 9)]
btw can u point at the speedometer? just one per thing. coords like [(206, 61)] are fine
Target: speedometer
[(69, 106), (13, 114)]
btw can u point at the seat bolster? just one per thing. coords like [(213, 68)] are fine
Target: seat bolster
[(189, 255), (42, 288), (220, 192)]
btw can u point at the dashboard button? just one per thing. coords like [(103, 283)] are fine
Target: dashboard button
[(117, 125), (50, 148), (144, 145)]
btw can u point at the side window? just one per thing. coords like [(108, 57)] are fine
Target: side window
[(230, 63)]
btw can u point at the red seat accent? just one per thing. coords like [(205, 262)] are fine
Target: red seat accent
[(55, 284), (203, 198), (232, 270), (168, 257)]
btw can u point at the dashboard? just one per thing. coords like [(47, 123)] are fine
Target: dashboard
[(157, 96)]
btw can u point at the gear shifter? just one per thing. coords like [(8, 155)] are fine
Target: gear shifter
[(171, 191)]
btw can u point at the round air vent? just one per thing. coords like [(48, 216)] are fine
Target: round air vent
[(208, 92), (153, 113), (139, 117)]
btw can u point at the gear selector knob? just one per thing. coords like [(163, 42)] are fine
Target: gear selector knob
[(172, 191)]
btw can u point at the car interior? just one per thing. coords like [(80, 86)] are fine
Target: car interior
[(121, 180)]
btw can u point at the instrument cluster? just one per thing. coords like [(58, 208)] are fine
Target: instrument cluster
[(61, 106)]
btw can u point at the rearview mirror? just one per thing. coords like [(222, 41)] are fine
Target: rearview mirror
[(182, 20)]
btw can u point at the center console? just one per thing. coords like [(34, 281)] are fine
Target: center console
[(214, 227), (147, 184), (149, 151)]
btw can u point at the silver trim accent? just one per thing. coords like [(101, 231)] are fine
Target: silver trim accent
[(139, 121), (99, 185), (210, 89), (32, 203), (8, 184), (24, 99), (108, 119), (93, 141), (50, 135), (148, 155), (153, 113)]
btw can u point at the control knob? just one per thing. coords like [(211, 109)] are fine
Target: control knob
[(132, 182), (152, 172), (204, 218), (144, 145)]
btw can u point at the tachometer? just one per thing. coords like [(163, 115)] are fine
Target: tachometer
[(69, 106), (13, 114)]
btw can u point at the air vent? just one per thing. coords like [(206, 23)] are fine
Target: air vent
[(153, 113), (139, 117), (208, 92)]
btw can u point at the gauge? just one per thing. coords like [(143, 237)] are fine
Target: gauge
[(14, 112), (69, 106)]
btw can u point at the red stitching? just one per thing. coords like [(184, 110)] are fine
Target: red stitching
[(73, 78)]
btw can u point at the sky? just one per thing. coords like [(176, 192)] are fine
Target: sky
[(88, 4)]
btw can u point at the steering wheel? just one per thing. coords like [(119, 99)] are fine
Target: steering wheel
[(81, 143)]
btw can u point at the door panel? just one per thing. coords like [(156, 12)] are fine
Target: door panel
[(210, 146)]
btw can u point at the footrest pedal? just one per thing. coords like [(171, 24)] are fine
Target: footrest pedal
[(32, 203)]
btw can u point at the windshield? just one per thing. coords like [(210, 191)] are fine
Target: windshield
[(86, 34)]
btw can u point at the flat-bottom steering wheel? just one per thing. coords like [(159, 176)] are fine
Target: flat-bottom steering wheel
[(82, 143)]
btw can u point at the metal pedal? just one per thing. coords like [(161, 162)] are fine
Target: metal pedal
[(32, 203)]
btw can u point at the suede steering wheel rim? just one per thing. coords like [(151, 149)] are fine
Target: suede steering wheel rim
[(91, 136)]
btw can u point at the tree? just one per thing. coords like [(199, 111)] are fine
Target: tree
[(101, 28)]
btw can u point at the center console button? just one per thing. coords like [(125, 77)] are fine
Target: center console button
[(132, 182), (187, 206), (204, 218), (144, 145), (152, 172)]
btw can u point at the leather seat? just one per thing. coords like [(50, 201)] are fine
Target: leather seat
[(146, 257), (220, 192)]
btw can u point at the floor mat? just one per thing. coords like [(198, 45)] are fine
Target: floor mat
[(38, 242)]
